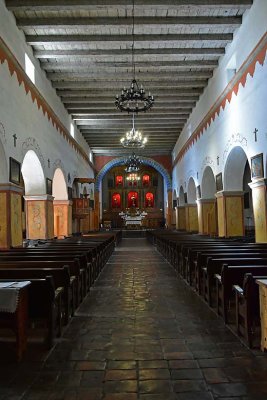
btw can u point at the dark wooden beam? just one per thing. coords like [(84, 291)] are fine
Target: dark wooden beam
[(190, 37), (215, 51), (92, 4), (63, 22)]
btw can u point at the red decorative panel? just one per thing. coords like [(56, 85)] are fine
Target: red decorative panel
[(132, 199), (116, 200), (149, 200), (146, 180), (119, 180)]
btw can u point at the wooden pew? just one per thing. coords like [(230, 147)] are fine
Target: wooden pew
[(232, 275), (214, 266), (44, 307), (247, 308), (53, 261), (61, 276)]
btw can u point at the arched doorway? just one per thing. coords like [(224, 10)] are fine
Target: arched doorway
[(207, 209), (230, 201), (191, 215), (102, 203), (181, 220), (62, 208), (36, 204)]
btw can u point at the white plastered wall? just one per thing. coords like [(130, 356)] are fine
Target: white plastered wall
[(20, 116), (236, 123)]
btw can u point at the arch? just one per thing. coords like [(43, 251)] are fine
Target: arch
[(191, 191), (181, 196), (234, 169), (33, 175), (121, 161), (59, 186), (3, 165), (208, 184)]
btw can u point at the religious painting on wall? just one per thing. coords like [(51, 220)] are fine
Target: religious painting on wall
[(257, 166), (119, 180), (149, 200), (14, 171), (132, 199), (146, 180), (116, 200)]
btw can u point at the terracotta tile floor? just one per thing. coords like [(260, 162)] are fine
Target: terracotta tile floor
[(142, 334)]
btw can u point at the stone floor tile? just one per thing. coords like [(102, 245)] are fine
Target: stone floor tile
[(188, 385), (152, 374), (140, 334), (155, 386), (120, 375), (128, 386)]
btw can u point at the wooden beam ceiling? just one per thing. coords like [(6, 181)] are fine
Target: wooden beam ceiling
[(85, 48)]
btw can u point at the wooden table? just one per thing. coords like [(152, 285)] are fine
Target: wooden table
[(18, 320), (263, 312)]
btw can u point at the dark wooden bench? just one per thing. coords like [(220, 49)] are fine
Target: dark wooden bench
[(61, 276), (247, 309), (232, 275), (44, 308), (214, 266)]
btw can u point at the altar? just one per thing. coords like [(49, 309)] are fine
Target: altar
[(131, 219)]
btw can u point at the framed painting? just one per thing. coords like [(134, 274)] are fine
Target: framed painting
[(49, 186), (14, 171), (257, 166), (219, 182)]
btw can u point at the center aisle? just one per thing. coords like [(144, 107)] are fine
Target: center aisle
[(143, 334)]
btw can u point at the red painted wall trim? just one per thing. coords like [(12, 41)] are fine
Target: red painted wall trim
[(14, 66), (248, 68)]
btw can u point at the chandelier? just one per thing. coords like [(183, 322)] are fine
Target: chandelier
[(133, 177), (134, 99), (133, 138), (133, 164)]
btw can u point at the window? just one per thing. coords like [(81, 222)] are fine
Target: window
[(29, 68), (72, 130)]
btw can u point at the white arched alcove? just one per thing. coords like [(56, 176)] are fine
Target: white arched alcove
[(33, 175), (191, 191), (59, 186), (181, 196), (234, 170), (3, 165), (208, 184)]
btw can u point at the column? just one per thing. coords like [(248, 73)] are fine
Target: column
[(62, 218), (39, 217), (191, 217), (10, 216), (207, 216), (96, 212), (181, 218), (169, 210), (230, 208), (259, 199)]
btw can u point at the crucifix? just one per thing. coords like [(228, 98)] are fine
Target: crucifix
[(15, 139), (255, 133)]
